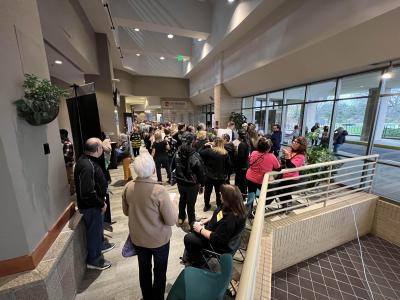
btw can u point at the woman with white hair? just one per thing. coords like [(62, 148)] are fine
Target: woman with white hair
[(151, 214)]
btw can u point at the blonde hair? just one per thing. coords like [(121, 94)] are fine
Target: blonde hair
[(219, 146), (202, 135)]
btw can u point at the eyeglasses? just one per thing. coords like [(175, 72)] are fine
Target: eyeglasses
[(297, 142)]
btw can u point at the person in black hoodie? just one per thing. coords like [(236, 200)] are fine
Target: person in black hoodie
[(178, 135), (216, 160), (230, 148), (276, 139), (216, 232), (190, 177), (91, 191), (242, 161)]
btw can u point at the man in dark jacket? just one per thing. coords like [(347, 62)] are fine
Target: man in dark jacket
[(91, 190), (190, 177), (178, 135), (230, 148), (242, 161), (276, 139)]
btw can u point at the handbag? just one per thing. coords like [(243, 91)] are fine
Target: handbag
[(129, 249)]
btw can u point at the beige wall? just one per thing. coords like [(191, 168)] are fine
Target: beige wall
[(228, 104), (34, 186), (151, 86), (387, 222)]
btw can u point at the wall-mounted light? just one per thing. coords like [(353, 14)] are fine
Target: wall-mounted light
[(231, 1), (162, 57), (388, 72), (199, 40), (58, 62), (137, 29), (170, 36), (137, 54)]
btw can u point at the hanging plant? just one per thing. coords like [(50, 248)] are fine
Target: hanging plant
[(40, 103)]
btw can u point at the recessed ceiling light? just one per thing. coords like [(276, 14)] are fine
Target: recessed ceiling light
[(162, 57), (231, 1), (170, 36), (137, 29), (58, 62), (137, 54), (199, 40)]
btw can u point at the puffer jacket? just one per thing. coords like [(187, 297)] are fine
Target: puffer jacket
[(188, 166)]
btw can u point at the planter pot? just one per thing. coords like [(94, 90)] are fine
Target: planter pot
[(42, 118)]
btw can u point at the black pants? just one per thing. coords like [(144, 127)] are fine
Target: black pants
[(187, 201), (162, 162), (240, 180), (194, 243), (286, 190), (153, 290), (93, 219), (210, 183), (135, 151)]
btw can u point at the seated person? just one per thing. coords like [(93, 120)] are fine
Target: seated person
[(216, 232)]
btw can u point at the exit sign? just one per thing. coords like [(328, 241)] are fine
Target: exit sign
[(180, 57)]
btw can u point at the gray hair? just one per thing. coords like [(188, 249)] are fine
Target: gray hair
[(123, 137), (144, 165)]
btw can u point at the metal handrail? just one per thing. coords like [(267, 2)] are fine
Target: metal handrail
[(248, 276), (247, 279)]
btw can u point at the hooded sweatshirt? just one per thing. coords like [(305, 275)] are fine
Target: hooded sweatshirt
[(189, 167)]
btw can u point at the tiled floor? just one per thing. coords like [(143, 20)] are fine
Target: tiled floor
[(339, 274)]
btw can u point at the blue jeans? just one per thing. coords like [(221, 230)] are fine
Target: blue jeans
[(336, 147), (150, 290), (94, 233)]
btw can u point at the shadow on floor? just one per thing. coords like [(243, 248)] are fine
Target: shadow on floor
[(119, 183), (89, 277)]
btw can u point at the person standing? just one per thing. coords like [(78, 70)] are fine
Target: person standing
[(216, 160), (91, 190), (160, 150), (276, 139), (242, 161), (296, 132), (315, 128), (151, 214), (124, 155), (190, 177), (136, 141), (339, 137), (230, 148), (68, 150), (325, 137)]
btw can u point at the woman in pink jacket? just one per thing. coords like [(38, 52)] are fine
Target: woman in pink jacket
[(293, 158), (260, 162)]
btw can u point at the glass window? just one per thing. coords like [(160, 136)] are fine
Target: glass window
[(392, 85), (386, 181), (295, 95), (293, 117), (318, 112), (275, 98), (260, 100), (248, 113), (247, 102), (358, 85), (350, 127), (274, 116), (321, 91), (259, 118)]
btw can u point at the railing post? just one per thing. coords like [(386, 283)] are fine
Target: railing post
[(329, 184), (374, 166)]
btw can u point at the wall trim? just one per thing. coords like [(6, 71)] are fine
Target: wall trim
[(29, 262)]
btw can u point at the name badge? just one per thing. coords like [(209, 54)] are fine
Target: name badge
[(219, 216)]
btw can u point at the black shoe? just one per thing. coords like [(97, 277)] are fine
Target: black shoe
[(206, 208), (107, 247), (101, 265)]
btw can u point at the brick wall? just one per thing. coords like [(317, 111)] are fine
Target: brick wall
[(387, 222)]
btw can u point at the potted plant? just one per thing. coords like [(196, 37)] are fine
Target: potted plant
[(238, 119), (40, 104)]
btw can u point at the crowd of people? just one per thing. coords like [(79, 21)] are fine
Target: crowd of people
[(197, 161)]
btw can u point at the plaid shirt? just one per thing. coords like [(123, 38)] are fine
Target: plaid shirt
[(68, 150)]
